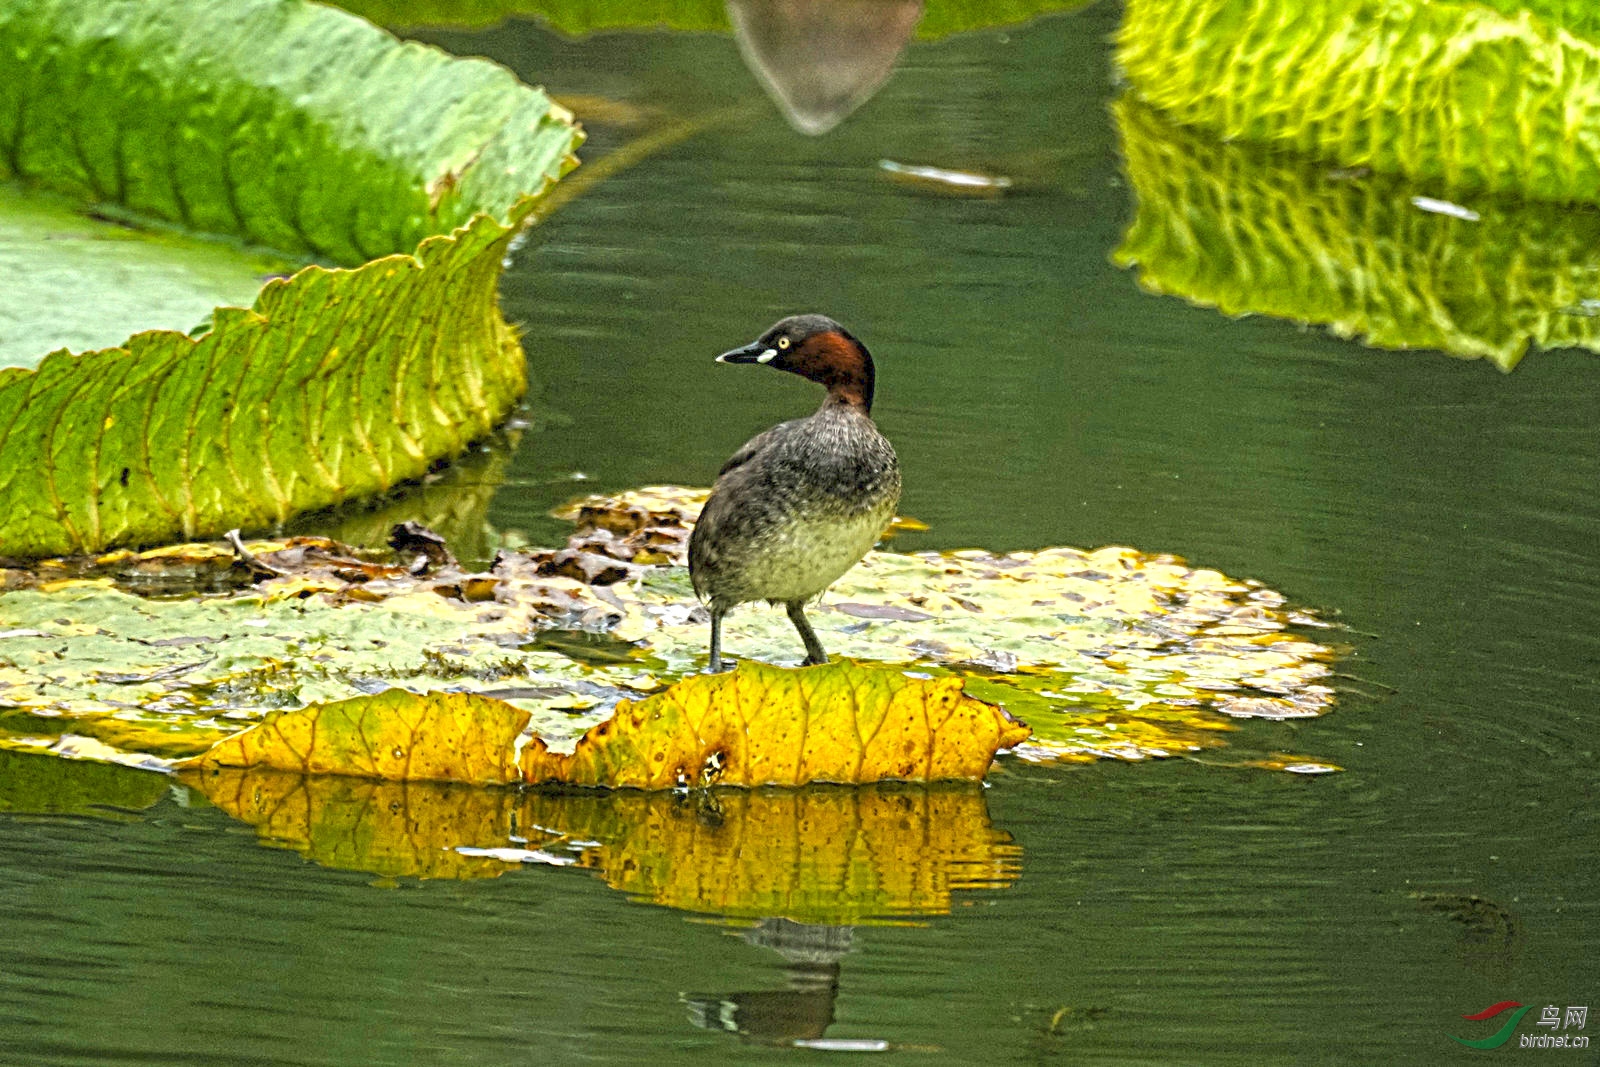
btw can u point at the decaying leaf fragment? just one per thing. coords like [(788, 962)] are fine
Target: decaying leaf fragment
[(760, 725)]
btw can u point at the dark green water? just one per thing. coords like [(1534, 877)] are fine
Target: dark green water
[(1447, 512)]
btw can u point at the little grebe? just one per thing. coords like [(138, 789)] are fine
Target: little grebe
[(800, 504)]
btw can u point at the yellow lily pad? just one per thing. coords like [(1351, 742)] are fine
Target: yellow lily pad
[(756, 726), (759, 725), (396, 736)]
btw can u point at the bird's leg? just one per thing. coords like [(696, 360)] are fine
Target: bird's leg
[(814, 650), (715, 666)]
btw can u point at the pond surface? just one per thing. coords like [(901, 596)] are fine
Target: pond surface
[(1166, 912)]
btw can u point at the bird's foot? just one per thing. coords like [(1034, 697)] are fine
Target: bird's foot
[(814, 661), (721, 666)]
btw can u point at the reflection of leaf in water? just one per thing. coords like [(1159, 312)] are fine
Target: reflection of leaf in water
[(1229, 227), (393, 829), (453, 503), (1452, 92), (821, 59), (819, 855), (34, 783)]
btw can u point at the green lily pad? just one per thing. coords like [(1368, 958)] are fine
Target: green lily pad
[(293, 126), (1106, 654)]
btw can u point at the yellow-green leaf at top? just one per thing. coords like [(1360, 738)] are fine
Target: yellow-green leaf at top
[(281, 122), (1454, 92), (335, 384)]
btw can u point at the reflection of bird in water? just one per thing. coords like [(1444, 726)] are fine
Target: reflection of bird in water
[(822, 59), (800, 504), (804, 1011)]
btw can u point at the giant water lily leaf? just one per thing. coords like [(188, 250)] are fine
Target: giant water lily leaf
[(335, 384), (70, 281), (1106, 654), (1465, 95), (822, 855), (301, 128), (760, 725), (756, 726), (284, 123), (1230, 227)]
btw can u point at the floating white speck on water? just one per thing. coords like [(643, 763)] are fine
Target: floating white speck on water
[(518, 855), (1310, 768), (844, 1044), (957, 179), (1444, 207)]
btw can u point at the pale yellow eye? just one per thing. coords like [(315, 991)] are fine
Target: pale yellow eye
[(783, 342)]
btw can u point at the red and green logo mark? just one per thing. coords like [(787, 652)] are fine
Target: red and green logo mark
[(1501, 1036)]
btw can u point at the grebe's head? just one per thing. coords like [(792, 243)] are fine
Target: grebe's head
[(814, 347)]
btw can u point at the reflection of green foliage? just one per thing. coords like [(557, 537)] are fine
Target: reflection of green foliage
[(38, 784), (1227, 227), (301, 128), (453, 504), (1456, 92), (577, 17)]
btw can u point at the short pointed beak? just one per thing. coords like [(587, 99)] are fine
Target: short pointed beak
[(754, 352)]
